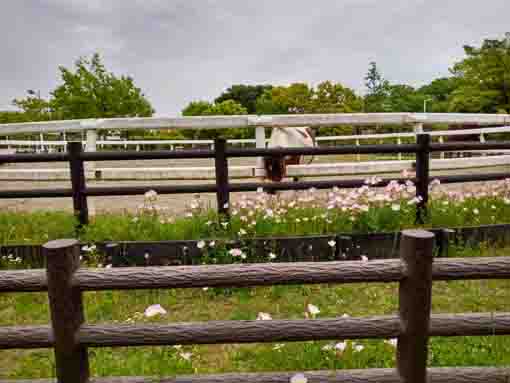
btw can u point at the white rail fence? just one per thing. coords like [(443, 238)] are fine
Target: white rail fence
[(91, 127)]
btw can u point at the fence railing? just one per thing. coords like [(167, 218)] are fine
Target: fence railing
[(70, 336), (79, 191)]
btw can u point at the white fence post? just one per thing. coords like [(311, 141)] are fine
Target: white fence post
[(441, 154), (358, 156), (260, 138), (90, 166)]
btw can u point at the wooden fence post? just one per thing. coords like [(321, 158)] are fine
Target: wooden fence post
[(415, 292), (63, 259), (221, 167), (78, 183), (422, 176)]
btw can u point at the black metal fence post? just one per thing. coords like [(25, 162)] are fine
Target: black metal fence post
[(221, 167), (78, 182), (422, 176)]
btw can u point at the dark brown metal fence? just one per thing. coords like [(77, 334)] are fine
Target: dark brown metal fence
[(415, 271), (79, 190)]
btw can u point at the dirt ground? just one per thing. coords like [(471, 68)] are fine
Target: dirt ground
[(175, 203)]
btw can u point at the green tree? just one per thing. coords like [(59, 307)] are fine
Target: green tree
[(90, 91), (439, 93), (245, 95), (378, 88), (295, 98), (224, 108), (484, 78), (33, 107)]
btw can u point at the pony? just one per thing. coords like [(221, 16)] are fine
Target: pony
[(288, 137)]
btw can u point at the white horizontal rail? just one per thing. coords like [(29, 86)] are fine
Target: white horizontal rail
[(225, 122), (237, 172), (440, 133)]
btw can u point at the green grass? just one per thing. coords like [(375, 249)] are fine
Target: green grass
[(282, 302), (39, 227)]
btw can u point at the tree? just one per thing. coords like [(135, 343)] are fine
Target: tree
[(332, 97), (439, 92), (484, 78), (294, 98), (224, 108), (33, 107), (377, 88), (245, 95), (90, 91)]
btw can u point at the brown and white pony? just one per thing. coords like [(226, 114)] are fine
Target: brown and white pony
[(291, 137)]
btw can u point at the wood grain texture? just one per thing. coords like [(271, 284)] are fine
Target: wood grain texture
[(256, 274), (436, 375), (415, 297), (471, 268), (23, 281), (66, 308), (13, 337), (238, 275), (254, 331), (440, 325)]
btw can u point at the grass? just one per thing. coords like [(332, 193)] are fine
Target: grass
[(281, 302)]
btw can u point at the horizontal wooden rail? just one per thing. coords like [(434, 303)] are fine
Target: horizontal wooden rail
[(379, 375), (216, 332), (241, 275)]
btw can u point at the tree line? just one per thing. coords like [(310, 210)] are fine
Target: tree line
[(479, 83)]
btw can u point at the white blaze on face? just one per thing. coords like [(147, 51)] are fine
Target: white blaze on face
[(291, 137)]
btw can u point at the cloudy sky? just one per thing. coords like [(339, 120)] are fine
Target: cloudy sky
[(183, 50)]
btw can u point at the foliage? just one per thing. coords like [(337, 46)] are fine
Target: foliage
[(91, 92), (246, 95), (484, 78), (33, 107), (223, 108), (377, 88)]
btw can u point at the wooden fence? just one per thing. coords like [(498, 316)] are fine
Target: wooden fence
[(70, 336), (223, 187)]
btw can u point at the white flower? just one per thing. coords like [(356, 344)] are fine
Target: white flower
[(205, 288), (392, 342), (332, 243), (312, 309), (395, 207), (358, 348), (201, 244), (278, 346), (264, 316), (135, 219), (236, 253), (177, 346), (186, 355), (341, 346), (224, 224), (327, 347), (242, 232), (506, 201), (272, 255), (476, 211), (364, 258), (212, 243), (154, 310), (346, 316), (298, 378)]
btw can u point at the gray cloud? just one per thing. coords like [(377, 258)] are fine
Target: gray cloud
[(183, 50)]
